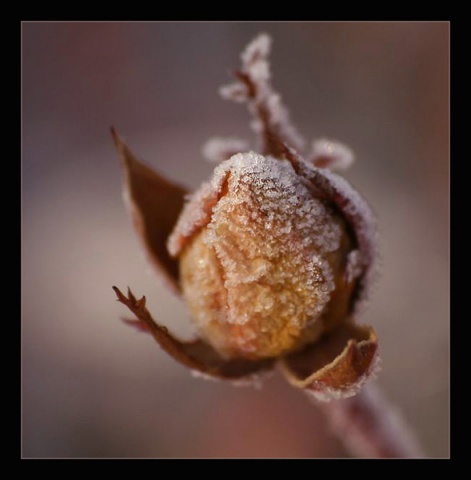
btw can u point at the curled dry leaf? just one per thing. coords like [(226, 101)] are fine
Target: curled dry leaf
[(196, 355), (337, 365), (273, 256), (155, 203)]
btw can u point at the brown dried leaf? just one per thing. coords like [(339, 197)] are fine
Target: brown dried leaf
[(155, 205), (337, 366), (196, 355)]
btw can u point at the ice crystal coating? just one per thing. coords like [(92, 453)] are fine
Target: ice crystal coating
[(360, 217), (264, 103), (258, 277), (331, 154)]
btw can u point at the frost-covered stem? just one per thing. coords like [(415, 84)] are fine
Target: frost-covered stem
[(370, 427)]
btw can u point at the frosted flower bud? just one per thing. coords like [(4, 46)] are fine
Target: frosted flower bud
[(273, 256), (259, 276)]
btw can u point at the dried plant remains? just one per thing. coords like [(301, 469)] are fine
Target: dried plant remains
[(274, 256)]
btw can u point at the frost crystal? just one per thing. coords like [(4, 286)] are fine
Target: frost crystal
[(235, 92), (354, 266), (258, 48)]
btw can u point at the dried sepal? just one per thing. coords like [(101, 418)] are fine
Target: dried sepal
[(330, 154), (356, 211), (155, 204), (336, 366), (361, 220), (271, 118), (137, 324), (197, 355)]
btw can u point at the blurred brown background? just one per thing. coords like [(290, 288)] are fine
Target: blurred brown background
[(92, 387)]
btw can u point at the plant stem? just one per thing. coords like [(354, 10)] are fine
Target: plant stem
[(370, 427)]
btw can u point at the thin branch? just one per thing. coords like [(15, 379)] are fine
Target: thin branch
[(370, 427)]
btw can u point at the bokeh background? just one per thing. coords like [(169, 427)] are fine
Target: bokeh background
[(93, 387)]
